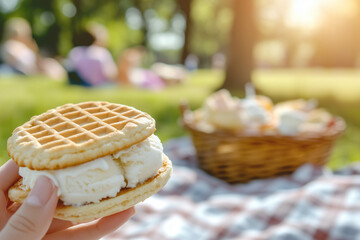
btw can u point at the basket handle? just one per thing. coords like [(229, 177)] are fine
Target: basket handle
[(185, 113)]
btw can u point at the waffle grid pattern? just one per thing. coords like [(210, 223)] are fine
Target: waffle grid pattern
[(78, 126)]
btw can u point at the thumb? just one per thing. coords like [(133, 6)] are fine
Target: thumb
[(34, 217)]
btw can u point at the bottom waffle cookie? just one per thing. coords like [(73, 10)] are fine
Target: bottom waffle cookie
[(125, 199)]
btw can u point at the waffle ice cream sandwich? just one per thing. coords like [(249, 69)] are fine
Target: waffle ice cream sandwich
[(103, 157)]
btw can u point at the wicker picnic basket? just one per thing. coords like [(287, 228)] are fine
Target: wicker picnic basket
[(236, 158)]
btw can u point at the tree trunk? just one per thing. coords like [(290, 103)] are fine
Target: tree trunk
[(75, 27), (144, 29), (185, 6), (240, 50)]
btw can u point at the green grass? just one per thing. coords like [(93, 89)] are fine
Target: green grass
[(337, 90)]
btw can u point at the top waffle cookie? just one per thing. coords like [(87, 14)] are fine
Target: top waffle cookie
[(76, 133)]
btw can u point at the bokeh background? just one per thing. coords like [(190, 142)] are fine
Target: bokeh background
[(287, 48)]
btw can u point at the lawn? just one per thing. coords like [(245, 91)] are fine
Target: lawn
[(21, 98)]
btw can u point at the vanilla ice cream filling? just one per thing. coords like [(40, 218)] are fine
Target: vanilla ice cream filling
[(103, 177)]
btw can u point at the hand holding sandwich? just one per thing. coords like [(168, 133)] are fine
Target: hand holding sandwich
[(34, 218)]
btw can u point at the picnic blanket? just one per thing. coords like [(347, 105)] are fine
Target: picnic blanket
[(312, 203)]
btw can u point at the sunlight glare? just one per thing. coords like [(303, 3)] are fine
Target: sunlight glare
[(304, 13)]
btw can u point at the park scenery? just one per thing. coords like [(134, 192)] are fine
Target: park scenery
[(247, 95)]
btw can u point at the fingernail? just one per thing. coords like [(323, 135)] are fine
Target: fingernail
[(41, 192)]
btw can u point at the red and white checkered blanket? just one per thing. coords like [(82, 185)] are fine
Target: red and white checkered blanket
[(312, 203)]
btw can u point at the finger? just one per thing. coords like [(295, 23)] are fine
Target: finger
[(12, 208), (5, 215), (95, 229), (3, 204), (9, 173), (58, 225), (33, 218)]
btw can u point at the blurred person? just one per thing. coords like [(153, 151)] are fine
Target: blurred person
[(171, 74), (34, 218), (131, 72), (192, 62), (90, 63), (20, 53)]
